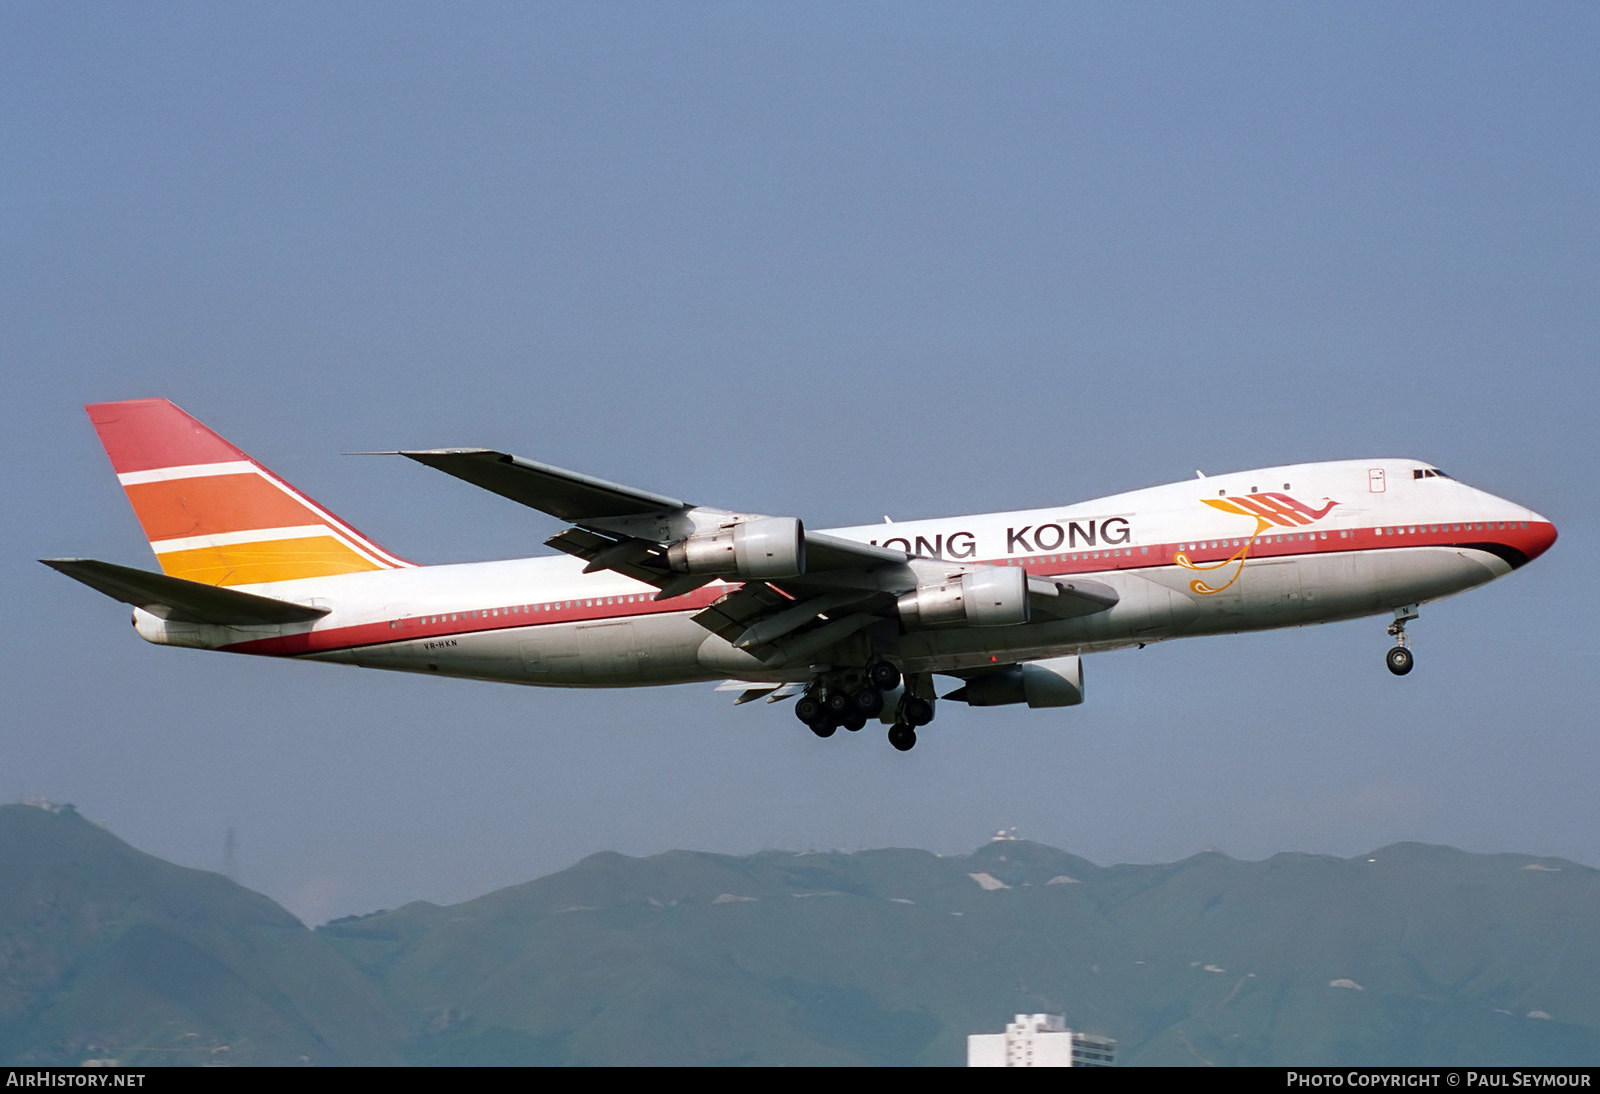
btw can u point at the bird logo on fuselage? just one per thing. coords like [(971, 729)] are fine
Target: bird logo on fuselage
[(1269, 510)]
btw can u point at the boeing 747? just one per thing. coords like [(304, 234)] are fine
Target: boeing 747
[(854, 623)]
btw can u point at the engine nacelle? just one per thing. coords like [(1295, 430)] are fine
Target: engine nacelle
[(986, 598), (1057, 682), (763, 548)]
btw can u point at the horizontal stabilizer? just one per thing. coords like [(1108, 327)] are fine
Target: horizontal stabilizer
[(178, 599), (565, 495)]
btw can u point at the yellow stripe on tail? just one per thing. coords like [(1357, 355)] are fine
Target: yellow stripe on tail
[(213, 514)]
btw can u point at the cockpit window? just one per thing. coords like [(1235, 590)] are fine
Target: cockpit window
[(1428, 473)]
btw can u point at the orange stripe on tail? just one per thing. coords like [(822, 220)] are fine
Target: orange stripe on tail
[(212, 514)]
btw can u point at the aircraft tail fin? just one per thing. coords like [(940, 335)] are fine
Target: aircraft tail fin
[(215, 516)]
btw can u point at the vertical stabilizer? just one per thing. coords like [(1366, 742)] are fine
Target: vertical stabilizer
[(214, 515)]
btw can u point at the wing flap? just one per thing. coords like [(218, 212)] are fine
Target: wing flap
[(803, 645), (783, 621), (179, 599), (749, 692), (636, 558), (730, 616)]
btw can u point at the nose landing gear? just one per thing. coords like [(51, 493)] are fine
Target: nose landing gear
[(1399, 658)]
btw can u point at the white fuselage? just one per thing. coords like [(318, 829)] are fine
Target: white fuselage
[(1283, 546)]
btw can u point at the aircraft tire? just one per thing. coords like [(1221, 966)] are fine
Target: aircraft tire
[(903, 737), (824, 728), (854, 720), (1399, 660), (883, 676), (917, 712), (869, 701), (810, 710)]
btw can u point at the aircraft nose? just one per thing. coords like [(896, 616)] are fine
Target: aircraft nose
[(1541, 534)]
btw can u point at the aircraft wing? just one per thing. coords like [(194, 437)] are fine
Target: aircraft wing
[(825, 552), (566, 495), (619, 514), (828, 589)]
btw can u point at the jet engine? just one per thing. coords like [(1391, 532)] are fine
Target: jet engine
[(995, 597), (1057, 682), (767, 547)]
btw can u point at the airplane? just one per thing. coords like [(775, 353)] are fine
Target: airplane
[(853, 623)]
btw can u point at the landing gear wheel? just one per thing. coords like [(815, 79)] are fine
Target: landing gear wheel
[(903, 737), (809, 709), (838, 702), (1399, 660), (824, 728), (869, 701), (917, 711), (883, 676), (854, 720)]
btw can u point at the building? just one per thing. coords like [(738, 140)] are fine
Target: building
[(1040, 1040)]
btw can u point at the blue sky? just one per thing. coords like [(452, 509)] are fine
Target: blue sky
[(830, 260)]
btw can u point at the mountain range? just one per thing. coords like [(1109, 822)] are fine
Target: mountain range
[(1412, 954)]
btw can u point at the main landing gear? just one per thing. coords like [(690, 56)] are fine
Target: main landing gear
[(826, 709), (1399, 658), (912, 712), (850, 698)]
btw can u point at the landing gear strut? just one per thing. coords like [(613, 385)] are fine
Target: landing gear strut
[(1399, 658)]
